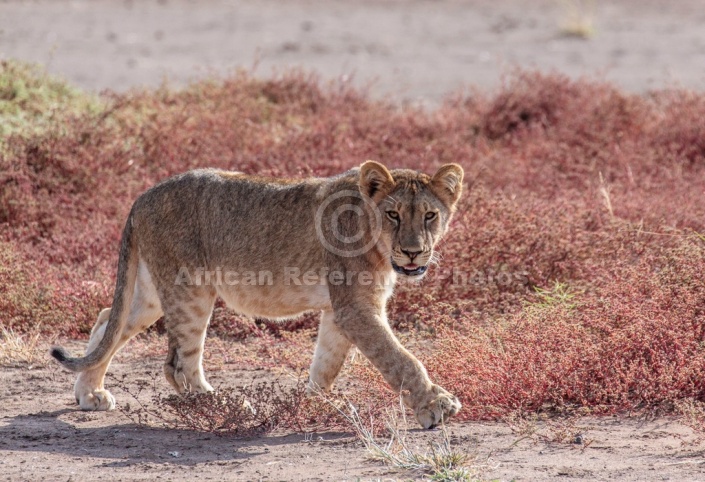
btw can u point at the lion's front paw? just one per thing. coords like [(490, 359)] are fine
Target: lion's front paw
[(99, 399), (441, 406)]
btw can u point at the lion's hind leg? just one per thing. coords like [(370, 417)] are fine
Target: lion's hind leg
[(145, 310), (187, 314)]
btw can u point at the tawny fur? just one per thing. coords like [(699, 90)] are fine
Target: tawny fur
[(211, 221)]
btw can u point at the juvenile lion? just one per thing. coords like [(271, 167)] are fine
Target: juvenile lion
[(276, 248)]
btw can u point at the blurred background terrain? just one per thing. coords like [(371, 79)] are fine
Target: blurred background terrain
[(414, 50)]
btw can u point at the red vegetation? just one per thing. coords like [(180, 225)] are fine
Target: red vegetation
[(577, 183)]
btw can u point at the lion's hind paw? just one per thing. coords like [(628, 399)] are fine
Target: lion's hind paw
[(98, 399)]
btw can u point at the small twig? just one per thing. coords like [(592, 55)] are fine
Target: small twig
[(605, 191)]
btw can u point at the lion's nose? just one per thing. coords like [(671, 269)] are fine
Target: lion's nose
[(411, 254)]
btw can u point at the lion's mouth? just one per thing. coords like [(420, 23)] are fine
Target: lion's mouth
[(410, 269)]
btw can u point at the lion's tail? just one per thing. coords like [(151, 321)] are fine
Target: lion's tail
[(124, 289)]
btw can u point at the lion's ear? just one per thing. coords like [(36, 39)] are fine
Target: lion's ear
[(447, 183), (375, 179)]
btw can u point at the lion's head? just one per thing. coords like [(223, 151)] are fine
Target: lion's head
[(415, 210)]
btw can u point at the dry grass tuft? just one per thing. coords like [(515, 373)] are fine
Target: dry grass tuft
[(441, 462), (691, 413), (22, 349)]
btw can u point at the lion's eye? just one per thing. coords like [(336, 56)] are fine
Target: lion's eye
[(430, 215), (393, 215)]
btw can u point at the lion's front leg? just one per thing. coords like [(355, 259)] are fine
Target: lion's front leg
[(402, 370), (332, 348)]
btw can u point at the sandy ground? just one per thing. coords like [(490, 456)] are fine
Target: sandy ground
[(417, 50), (43, 436)]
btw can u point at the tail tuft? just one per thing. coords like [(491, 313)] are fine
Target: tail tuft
[(60, 354)]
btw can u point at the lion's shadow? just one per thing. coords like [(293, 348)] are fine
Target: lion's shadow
[(131, 444)]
